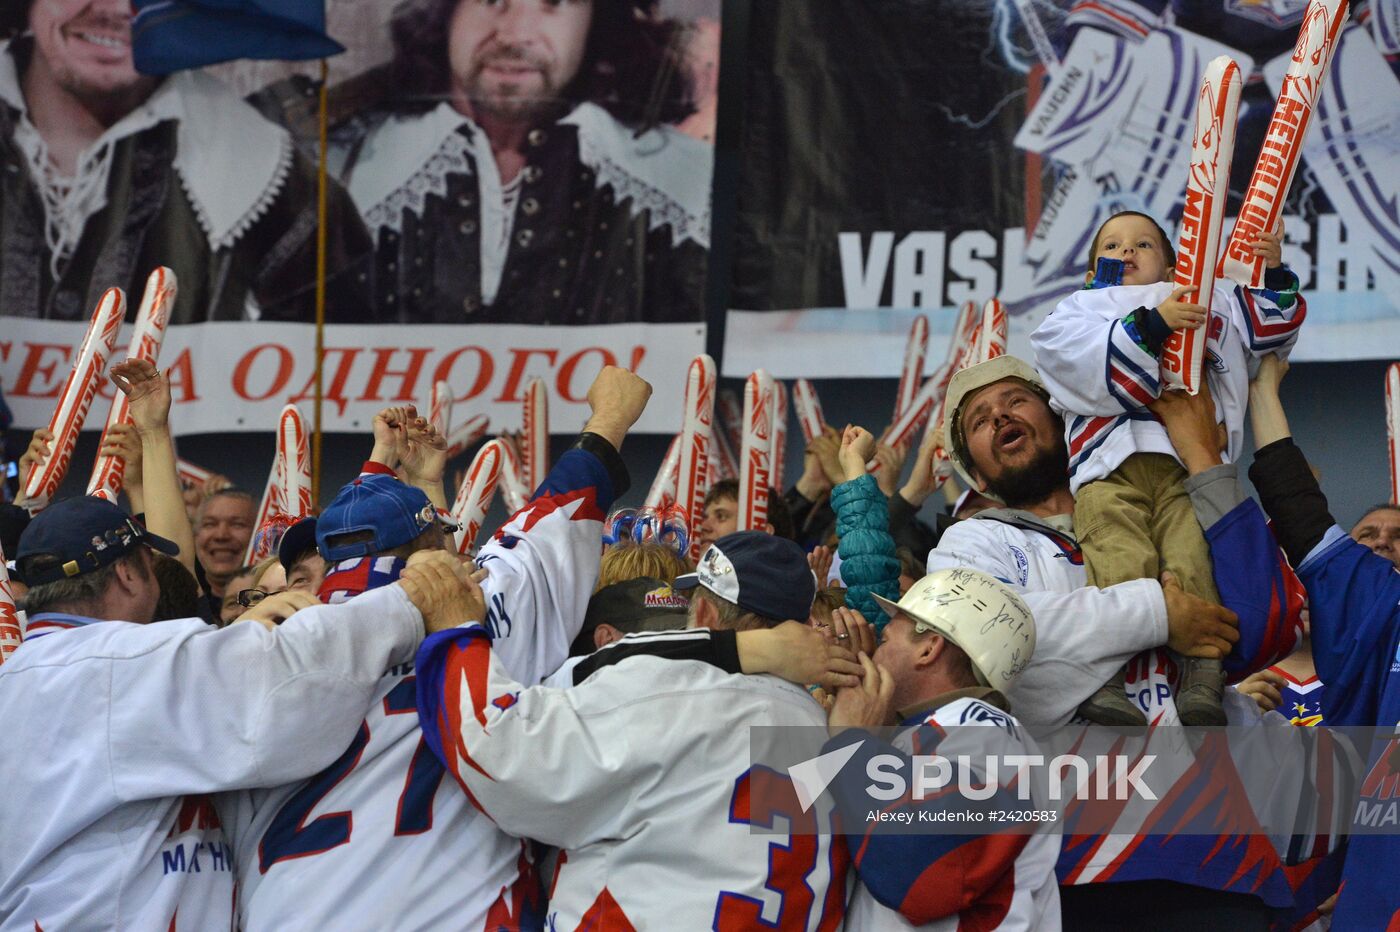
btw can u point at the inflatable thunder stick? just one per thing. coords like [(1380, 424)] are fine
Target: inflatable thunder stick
[(779, 448), (511, 482), (9, 614), (440, 407), (75, 399), (911, 375), (109, 471), (476, 494), (809, 410), (534, 445), (663, 488), (1207, 188), (692, 462), (1283, 142), (756, 451), (465, 434)]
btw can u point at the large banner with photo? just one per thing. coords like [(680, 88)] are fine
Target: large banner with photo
[(516, 190), (902, 157)]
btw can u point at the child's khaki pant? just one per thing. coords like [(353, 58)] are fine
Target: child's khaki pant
[(1137, 522)]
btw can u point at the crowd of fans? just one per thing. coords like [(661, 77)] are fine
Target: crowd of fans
[(844, 594)]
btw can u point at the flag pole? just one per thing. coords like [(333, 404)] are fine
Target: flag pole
[(321, 191)]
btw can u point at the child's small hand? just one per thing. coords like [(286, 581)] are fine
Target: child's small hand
[(1179, 314), (1270, 247)]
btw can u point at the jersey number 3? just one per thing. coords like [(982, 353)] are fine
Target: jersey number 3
[(289, 835), (762, 797)]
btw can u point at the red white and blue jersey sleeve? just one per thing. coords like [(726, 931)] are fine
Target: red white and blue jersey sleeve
[(1270, 317), (1123, 18), (519, 753), (542, 566), (1094, 361), (904, 863), (1256, 583)]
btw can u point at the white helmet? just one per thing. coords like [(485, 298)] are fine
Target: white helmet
[(963, 383), (980, 614)]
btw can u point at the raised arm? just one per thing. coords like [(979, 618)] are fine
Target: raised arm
[(1352, 592), (543, 563), (148, 391), (261, 704), (1251, 572), (868, 561)]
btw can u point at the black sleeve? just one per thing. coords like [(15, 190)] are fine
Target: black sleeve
[(717, 648), (1291, 498), (612, 461)]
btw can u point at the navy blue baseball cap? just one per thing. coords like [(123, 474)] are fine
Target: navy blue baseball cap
[(758, 572), (393, 513), (298, 539), (79, 535)]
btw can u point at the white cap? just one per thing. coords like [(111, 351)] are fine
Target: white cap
[(963, 383), (980, 614)]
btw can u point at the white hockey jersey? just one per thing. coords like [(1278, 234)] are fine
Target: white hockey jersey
[(1083, 635), (375, 841), (942, 882), (1101, 379), (113, 730), (642, 775)]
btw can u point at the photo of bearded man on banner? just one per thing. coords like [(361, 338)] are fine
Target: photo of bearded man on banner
[(522, 169), (111, 173)]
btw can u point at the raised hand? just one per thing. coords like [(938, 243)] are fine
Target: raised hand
[(1180, 314), (617, 398), (857, 448), (147, 390), (1195, 627)]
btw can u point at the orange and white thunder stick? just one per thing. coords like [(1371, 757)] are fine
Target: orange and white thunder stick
[(1283, 142), (959, 351), (730, 419), (663, 487), (809, 410), (75, 399), (692, 461), (911, 376), (9, 614), (476, 494), (467, 433), (270, 505), (1207, 187), (192, 474), (294, 458), (534, 446), (756, 451), (991, 334), (1392, 427), (440, 407), (108, 471), (780, 416), (510, 482)]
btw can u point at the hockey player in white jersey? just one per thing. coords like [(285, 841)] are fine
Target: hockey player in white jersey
[(641, 774), (954, 640), (115, 726), (374, 841)]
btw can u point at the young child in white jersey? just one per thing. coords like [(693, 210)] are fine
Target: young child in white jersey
[(1098, 353)]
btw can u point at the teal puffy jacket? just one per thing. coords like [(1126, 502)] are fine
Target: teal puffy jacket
[(868, 561)]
